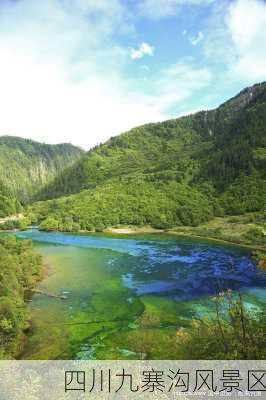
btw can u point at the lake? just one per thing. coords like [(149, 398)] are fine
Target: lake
[(108, 282)]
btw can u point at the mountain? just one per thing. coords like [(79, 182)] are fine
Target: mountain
[(179, 172), (26, 165)]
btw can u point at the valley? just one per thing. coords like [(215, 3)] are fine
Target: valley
[(154, 242)]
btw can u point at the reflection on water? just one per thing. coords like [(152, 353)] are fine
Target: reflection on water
[(108, 282)]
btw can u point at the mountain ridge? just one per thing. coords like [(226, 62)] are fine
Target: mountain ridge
[(182, 171), (25, 164), (204, 124)]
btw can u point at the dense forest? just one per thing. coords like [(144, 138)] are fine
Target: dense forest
[(26, 165), (179, 172), (9, 204), (20, 269)]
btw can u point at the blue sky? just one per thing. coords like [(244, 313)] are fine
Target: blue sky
[(81, 71)]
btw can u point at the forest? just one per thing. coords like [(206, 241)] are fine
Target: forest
[(26, 165), (20, 269), (179, 172)]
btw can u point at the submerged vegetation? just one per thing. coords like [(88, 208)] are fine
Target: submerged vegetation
[(20, 270), (166, 292), (229, 332)]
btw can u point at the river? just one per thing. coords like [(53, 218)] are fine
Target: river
[(108, 282)]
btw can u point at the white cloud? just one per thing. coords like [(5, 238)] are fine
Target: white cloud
[(237, 38), (63, 77), (179, 81), (195, 40), (168, 89), (157, 9), (39, 102), (246, 22), (144, 49)]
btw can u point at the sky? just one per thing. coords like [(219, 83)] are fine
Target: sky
[(81, 71)]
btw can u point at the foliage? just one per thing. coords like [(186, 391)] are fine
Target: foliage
[(20, 269), (131, 202), (234, 333), (246, 194), (9, 205), (178, 172), (10, 225), (26, 165), (247, 230)]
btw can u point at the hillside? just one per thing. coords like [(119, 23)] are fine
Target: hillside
[(9, 204), (178, 172), (26, 165), (21, 268)]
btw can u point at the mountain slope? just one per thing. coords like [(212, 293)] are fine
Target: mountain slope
[(8, 203), (26, 165), (216, 141), (181, 171)]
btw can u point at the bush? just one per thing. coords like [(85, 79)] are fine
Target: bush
[(233, 333), (256, 234)]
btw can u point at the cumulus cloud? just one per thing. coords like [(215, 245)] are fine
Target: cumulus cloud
[(144, 49), (62, 74), (246, 22), (237, 37), (64, 77), (157, 9)]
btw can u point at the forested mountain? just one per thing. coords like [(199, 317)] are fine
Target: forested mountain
[(181, 171), (26, 165)]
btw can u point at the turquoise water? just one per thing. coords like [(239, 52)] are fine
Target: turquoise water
[(108, 282)]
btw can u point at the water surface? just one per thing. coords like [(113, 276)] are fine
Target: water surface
[(108, 282)]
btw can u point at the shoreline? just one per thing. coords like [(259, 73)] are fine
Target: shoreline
[(47, 270), (131, 230), (253, 249), (191, 235), (135, 230), (139, 230)]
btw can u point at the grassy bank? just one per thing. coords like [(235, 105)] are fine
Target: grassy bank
[(131, 230), (247, 230)]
